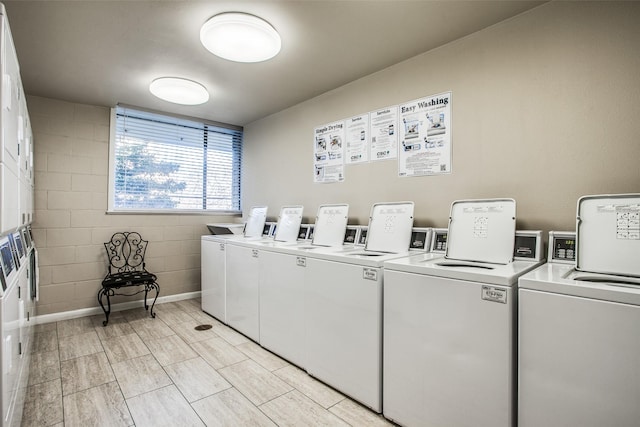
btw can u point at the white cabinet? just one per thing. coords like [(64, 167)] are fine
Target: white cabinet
[(10, 349), (213, 277), (23, 298), (26, 170), (9, 200), (16, 209), (282, 314), (24, 200), (11, 92), (16, 174), (243, 273)]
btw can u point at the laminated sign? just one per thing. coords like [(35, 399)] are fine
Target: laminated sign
[(425, 136), (329, 152)]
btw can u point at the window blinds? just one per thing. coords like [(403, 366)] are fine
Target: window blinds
[(168, 163)]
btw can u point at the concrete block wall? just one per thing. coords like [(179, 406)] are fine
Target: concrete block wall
[(71, 155)]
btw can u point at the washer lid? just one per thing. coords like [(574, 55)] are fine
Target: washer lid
[(255, 221), (288, 224), (390, 227), (608, 234), (482, 230), (331, 224)]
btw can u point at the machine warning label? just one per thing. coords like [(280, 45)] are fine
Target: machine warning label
[(370, 274), (627, 224), (493, 294)]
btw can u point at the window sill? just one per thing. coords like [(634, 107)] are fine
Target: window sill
[(174, 212)]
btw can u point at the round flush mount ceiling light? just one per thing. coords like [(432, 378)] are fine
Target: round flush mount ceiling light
[(240, 37), (179, 91)]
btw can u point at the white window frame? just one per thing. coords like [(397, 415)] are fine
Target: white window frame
[(111, 209)]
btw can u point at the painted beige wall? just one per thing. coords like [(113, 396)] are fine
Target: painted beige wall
[(546, 108), (70, 223)]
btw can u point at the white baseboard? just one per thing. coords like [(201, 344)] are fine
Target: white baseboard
[(73, 314)]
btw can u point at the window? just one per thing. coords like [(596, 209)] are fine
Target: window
[(160, 163)]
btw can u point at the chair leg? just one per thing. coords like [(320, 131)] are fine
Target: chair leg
[(147, 288), (101, 293)]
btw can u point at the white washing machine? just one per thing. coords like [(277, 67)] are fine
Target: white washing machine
[(449, 322), (243, 273), (282, 277), (579, 344), (213, 261), (344, 306)]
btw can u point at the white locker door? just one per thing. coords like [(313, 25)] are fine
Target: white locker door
[(10, 347), (9, 199), (23, 124), (10, 99), (24, 197), (213, 279), (579, 362), (282, 311), (243, 290), (23, 294)]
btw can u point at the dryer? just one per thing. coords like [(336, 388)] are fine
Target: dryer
[(579, 346), (449, 322), (10, 320), (343, 301), (213, 262)]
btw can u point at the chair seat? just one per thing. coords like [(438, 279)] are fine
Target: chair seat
[(128, 278)]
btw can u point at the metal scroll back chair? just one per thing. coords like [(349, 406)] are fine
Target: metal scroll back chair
[(126, 252)]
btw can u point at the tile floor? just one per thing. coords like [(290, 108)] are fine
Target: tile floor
[(162, 372)]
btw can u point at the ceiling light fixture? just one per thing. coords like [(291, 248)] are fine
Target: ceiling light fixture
[(240, 37), (179, 91)]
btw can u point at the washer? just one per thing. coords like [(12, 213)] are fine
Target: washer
[(344, 306), (243, 273), (213, 262), (282, 276), (449, 322), (579, 345)]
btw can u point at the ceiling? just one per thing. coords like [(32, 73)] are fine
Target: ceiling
[(107, 52)]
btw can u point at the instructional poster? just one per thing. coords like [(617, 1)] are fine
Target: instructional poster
[(329, 152), (425, 135), (384, 133), (357, 139)]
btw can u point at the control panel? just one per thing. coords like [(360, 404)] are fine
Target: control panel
[(8, 260), (303, 232), (351, 235), (439, 240), (562, 247), (362, 239), (269, 229), (420, 239), (528, 245)]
